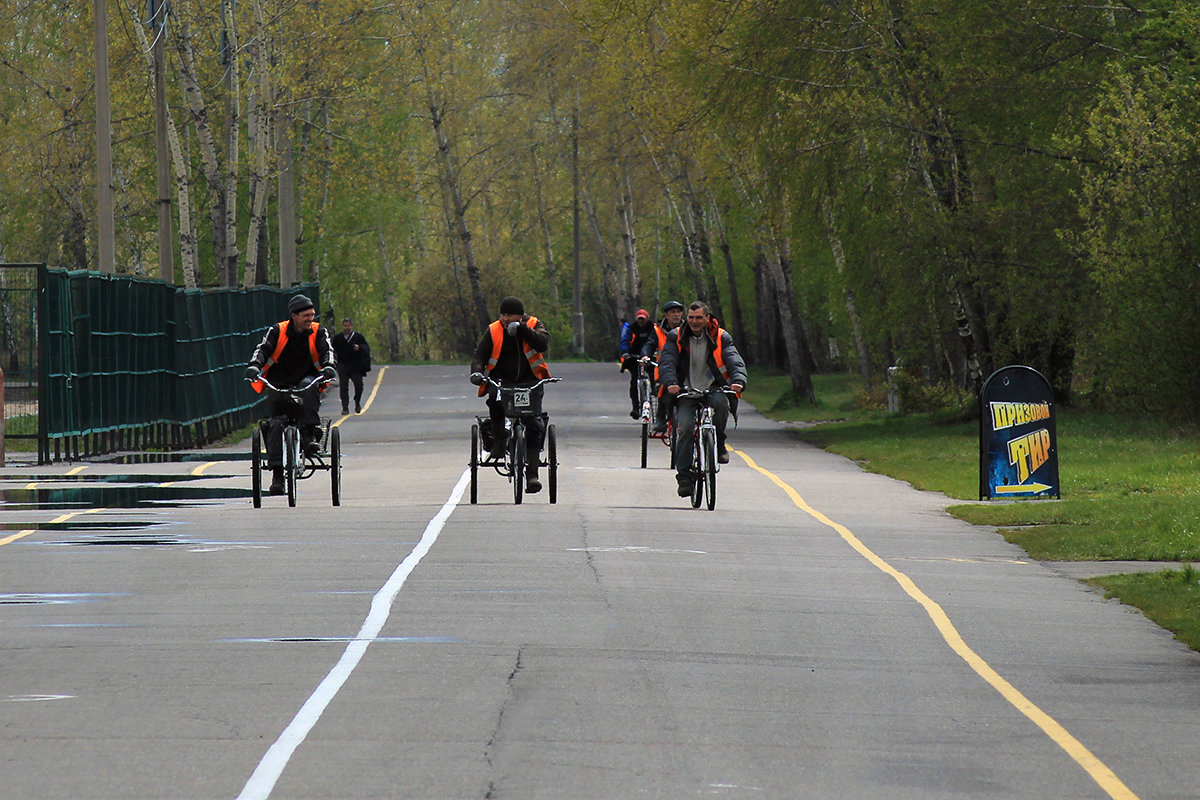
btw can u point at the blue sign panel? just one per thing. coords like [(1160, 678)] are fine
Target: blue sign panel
[(1018, 448)]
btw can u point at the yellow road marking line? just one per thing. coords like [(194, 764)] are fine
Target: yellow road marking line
[(74, 471), (1099, 772), (200, 469), (62, 518), (370, 397)]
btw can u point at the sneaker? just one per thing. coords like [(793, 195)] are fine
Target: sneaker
[(635, 414), (660, 427), (685, 488), (276, 486), (723, 455), (313, 448), (345, 411), (357, 407), (533, 486)]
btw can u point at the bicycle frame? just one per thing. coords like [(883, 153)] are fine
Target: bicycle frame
[(705, 464)]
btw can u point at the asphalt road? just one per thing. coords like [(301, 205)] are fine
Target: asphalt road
[(824, 633)]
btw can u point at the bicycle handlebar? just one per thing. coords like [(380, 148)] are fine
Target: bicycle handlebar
[(703, 393), (498, 385), (314, 380)]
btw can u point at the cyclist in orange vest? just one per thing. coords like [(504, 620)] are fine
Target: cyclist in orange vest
[(698, 355), (291, 352), (672, 318), (512, 352)]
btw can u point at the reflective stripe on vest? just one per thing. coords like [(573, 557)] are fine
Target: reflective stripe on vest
[(282, 343), (717, 355), (537, 361)]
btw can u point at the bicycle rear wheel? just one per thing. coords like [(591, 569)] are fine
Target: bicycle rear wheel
[(708, 437), (256, 466), (474, 464), (518, 459), (552, 461), (291, 461), (645, 441), (335, 465)]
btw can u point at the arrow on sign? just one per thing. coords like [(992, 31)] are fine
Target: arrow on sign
[(1023, 488)]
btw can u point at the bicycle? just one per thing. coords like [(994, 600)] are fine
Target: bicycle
[(705, 465), (649, 402), (520, 402), (298, 463)]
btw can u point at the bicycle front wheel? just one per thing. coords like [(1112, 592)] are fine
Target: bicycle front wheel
[(697, 472), (518, 459), (708, 437), (335, 465), (291, 461)]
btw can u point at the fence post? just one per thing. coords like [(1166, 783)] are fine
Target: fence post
[(1, 416)]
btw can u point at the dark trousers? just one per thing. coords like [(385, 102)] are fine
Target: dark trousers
[(282, 408), (534, 430), (344, 379), (685, 430)]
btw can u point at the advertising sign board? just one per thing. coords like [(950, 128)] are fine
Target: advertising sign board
[(1018, 448)]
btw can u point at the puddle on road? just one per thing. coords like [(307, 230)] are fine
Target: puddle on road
[(97, 477), (78, 525), (116, 497), (54, 598), (171, 458)]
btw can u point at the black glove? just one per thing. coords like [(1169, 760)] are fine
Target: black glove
[(513, 327), (477, 378), (252, 372), (329, 373)]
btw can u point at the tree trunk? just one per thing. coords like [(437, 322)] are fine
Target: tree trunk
[(458, 210), (187, 231), (633, 291), (209, 162), (735, 321), (233, 111), (544, 225), (392, 312), (795, 343), (259, 126), (617, 303), (865, 365)]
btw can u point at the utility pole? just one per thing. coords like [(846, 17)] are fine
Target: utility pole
[(106, 259), (166, 245), (578, 320)]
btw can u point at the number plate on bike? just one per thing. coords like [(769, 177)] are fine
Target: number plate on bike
[(521, 398)]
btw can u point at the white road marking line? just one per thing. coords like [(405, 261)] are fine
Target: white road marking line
[(265, 775)]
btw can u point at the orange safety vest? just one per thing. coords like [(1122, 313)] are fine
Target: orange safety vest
[(537, 361), (661, 336), (717, 354), (312, 350)]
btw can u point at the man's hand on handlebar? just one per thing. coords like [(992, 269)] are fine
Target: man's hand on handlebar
[(328, 373), (477, 378), (252, 372)]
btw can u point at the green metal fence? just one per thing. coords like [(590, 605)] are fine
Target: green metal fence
[(133, 364)]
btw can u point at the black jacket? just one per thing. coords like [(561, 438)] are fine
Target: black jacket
[(295, 362), (349, 359)]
